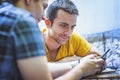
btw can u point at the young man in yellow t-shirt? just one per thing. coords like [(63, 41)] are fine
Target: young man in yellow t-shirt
[(60, 40), (61, 43)]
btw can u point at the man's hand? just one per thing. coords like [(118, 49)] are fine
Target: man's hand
[(91, 64)]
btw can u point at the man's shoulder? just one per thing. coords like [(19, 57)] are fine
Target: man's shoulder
[(75, 35), (76, 38)]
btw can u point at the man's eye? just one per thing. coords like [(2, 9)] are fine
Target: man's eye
[(72, 27), (63, 26)]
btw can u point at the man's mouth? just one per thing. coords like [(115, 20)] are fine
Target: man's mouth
[(64, 37)]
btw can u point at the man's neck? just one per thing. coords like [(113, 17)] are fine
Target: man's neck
[(52, 46), (50, 43)]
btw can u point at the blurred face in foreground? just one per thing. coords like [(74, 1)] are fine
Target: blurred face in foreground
[(37, 8)]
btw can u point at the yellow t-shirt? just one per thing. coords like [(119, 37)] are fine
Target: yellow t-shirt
[(76, 45)]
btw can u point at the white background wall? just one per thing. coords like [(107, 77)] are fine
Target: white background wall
[(96, 15)]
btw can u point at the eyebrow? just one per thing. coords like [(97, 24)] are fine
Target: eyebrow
[(66, 23)]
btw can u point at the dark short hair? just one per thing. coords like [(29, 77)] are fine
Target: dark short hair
[(65, 5)]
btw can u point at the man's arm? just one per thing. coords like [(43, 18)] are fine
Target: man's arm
[(34, 68), (88, 65), (75, 70), (57, 69), (75, 57), (68, 59)]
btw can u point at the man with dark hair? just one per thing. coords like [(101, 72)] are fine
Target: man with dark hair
[(61, 43)]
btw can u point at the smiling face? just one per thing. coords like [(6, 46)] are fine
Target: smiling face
[(62, 27)]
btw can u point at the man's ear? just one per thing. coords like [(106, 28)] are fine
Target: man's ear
[(48, 23)]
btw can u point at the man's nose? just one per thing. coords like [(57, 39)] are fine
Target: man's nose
[(68, 31)]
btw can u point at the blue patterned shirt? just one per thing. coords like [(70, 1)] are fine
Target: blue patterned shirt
[(20, 38)]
